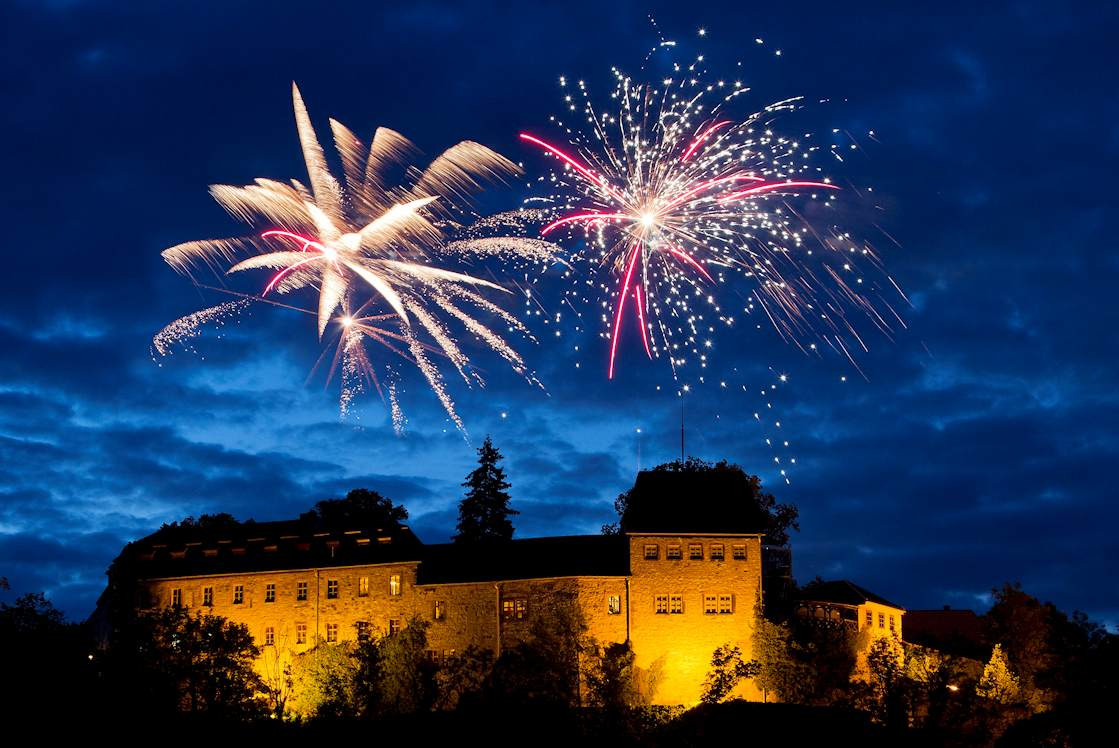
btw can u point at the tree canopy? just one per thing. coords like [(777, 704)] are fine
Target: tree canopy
[(699, 496), (484, 514), (360, 507)]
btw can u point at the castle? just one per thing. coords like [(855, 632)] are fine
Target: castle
[(675, 593)]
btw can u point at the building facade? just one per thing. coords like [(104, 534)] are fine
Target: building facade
[(674, 596)]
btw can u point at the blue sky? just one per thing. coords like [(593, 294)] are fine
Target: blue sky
[(980, 448)]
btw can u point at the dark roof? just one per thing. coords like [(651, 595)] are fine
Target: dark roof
[(842, 592), (944, 624), (190, 550), (703, 501), (530, 558)]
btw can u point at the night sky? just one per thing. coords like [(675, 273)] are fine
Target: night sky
[(980, 448)]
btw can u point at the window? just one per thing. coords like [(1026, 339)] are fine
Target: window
[(514, 609), (238, 594), (672, 553), (717, 552), (300, 633), (652, 552), (362, 629), (332, 589), (695, 551), (660, 604), (738, 552), (363, 586), (332, 632), (726, 604), (269, 636), (869, 618), (440, 610), (270, 593), (300, 590), (448, 654), (394, 585), (614, 605), (177, 597), (207, 595), (394, 626), (710, 604), (675, 603), (881, 620), (891, 623)]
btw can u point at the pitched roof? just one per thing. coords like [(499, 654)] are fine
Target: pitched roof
[(529, 558), (193, 550), (843, 592)]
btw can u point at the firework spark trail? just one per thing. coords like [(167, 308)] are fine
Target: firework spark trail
[(356, 240), (670, 191), (191, 325)]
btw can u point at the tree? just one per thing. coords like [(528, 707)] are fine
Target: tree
[(326, 683), (887, 697), (705, 497), (999, 682), (407, 683), (483, 515), (462, 681), (361, 507), (545, 668), (728, 669), (197, 664), (615, 683)]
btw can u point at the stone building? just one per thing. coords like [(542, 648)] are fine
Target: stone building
[(675, 596)]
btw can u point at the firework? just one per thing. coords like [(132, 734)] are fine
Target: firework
[(672, 194), (363, 243)]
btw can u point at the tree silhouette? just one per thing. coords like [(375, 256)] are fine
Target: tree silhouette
[(701, 496), (484, 514)]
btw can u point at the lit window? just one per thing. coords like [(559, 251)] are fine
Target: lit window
[(208, 596), (300, 633), (300, 590), (238, 594), (394, 584), (891, 622), (717, 552), (332, 632), (710, 604), (514, 609), (726, 604), (269, 636), (440, 610), (672, 553), (177, 597), (676, 604), (362, 628), (652, 552), (738, 552), (362, 586), (661, 604), (881, 620), (614, 605), (270, 593), (331, 589), (869, 618), (695, 551), (394, 626), (448, 654)]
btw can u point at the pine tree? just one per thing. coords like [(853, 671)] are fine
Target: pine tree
[(484, 514)]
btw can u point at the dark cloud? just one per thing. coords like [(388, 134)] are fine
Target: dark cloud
[(979, 448)]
